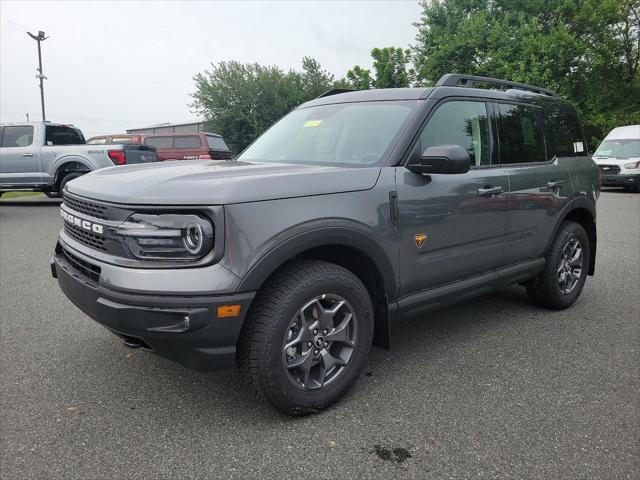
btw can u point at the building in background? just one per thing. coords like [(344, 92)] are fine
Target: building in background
[(196, 126)]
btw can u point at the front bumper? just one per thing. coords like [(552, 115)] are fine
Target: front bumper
[(184, 329), (617, 180)]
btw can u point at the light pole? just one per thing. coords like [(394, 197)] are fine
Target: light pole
[(40, 38)]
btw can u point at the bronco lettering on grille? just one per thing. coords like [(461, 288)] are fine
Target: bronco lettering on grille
[(84, 224)]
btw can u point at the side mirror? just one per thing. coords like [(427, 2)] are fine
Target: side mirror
[(441, 159)]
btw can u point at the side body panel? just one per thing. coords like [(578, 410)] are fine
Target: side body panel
[(21, 166), (464, 231), (534, 207), (261, 236)]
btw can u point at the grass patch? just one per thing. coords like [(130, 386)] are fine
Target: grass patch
[(21, 195)]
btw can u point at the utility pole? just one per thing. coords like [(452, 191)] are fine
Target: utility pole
[(40, 38)]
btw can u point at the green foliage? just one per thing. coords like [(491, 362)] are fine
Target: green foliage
[(390, 67), (240, 101), (359, 78), (587, 50)]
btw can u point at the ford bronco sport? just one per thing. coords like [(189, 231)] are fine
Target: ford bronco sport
[(353, 211)]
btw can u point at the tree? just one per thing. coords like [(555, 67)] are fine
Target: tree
[(315, 80), (240, 101), (587, 50), (390, 67), (359, 78)]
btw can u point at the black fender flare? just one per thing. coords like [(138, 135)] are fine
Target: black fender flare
[(581, 202), (320, 237)]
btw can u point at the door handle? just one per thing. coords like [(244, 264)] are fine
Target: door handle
[(27, 155), (555, 184), (488, 191)]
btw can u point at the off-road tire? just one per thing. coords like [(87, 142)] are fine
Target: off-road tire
[(545, 290), (260, 347)]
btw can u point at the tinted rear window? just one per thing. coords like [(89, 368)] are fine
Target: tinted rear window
[(217, 143), (521, 137), (564, 132), (17, 136), (192, 141), (60, 135), (159, 142)]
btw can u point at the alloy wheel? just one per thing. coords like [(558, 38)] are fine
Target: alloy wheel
[(570, 268), (319, 342)]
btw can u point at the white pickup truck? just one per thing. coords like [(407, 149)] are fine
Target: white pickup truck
[(44, 156)]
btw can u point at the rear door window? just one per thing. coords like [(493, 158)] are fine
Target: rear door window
[(17, 136), (520, 133), (564, 132), (217, 143), (159, 142), (191, 142), (61, 135)]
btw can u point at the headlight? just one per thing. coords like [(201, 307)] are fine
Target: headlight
[(166, 236), (632, 165)]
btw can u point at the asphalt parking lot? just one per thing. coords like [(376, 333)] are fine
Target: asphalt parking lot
[(492, 388)]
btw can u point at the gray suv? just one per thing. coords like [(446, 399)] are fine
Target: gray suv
[(353, 211)]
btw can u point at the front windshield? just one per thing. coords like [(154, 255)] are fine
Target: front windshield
[(346, 134), (619, 148)]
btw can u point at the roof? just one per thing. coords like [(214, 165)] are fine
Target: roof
[(390, 94), (378, 94), (624, 133), (448, 85), (168, 124)]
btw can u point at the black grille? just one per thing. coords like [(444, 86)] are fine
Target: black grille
[(92, 272), (609, 169), (88, 208), (85, 237)]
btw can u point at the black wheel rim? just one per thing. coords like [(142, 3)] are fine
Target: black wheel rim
[(319, 342), (570, 268)]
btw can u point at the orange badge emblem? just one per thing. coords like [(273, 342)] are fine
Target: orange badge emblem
[(420, 238)]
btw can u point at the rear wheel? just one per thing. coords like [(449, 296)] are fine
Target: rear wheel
[(306, 336), (565, 272)]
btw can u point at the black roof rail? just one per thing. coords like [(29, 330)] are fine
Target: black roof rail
[(457, 80), (335, 91)]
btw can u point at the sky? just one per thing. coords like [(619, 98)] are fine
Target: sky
[(118, 65)]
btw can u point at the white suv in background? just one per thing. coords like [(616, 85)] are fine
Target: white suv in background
[(618, 158)]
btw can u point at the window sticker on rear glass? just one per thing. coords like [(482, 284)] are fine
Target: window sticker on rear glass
[(312, 123), (578, 147)]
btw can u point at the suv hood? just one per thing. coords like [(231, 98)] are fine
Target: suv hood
[(218, 183)]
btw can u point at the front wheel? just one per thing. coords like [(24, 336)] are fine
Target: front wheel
[(306, 336), (53, 194), (565, 272)]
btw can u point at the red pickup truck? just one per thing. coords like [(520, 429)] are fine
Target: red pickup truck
[(175, 146)]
